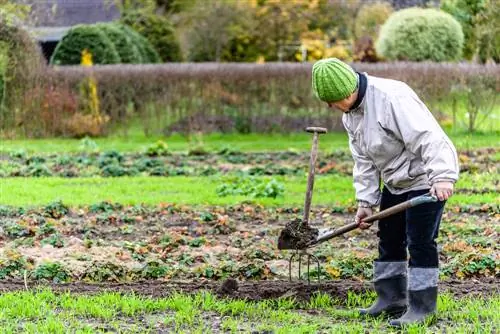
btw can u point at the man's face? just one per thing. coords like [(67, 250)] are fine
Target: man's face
[(345, 104)]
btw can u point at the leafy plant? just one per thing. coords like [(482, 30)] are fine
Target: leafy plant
[(88, 145), (55, 240), (12, 263), (160, 148), (250, 186), (54, 271), (56, 209)]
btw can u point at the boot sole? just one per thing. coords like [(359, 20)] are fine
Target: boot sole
[(387, 314)]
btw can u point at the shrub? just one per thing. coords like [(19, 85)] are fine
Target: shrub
[(21, 66), (148, 53), (421, 34), (90, 37), (127, 50), (370, 18), (158, 31)]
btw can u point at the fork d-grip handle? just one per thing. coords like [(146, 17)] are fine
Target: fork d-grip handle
[(310, 177), (427, 198), (400, 207)]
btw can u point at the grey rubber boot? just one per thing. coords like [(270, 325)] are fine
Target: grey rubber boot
[(423, 294), (390, 284)]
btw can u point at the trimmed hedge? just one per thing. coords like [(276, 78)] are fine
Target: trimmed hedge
[(147, 51), (417, 34), (90, 37), (158, 31), (244, 97), (127, 50)]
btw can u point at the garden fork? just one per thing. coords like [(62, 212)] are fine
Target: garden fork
[(299, 253)]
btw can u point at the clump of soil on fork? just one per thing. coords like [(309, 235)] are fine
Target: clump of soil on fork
[(296, 235)]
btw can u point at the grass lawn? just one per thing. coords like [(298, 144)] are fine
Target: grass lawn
[(204, 313), (137, 142), (334, 190)]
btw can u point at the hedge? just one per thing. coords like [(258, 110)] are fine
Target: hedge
[(90, 37), (244, 97), (127, 50), (417, 34)]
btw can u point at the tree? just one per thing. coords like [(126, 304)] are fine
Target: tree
[(465, 12), (214, 27), (281, 22), (487, 28)]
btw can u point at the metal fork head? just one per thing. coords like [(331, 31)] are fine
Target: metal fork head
[(298, 254)]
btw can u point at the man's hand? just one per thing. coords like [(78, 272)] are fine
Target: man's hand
[(362, 213), (442, 190)]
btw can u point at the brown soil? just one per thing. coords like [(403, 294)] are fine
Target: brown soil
[(252, 290), (296, 235)]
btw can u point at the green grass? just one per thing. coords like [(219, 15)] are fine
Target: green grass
[(332, 190), (137, 142), (203, 313)]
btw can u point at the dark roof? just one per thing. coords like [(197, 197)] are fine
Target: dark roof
[(67, 13)]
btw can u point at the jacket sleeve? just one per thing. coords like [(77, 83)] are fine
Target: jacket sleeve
[(410, 121), (366, 176)]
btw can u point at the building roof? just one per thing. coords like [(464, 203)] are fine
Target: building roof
[(67, 13), (51, 19)]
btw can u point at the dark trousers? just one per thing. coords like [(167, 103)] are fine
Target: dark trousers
[(415, 229)]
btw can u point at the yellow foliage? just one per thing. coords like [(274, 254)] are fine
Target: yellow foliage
[(80, 125), (315, 43), (86, 58), (337, 51), (333, 272)]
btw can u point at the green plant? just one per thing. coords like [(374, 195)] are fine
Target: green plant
[(250, 186), (12, 263), (88, 145), (54, 271), (81, 37), (56, 209), (54, 240), (160, 148), (104, 206), (154, 270), (421, 34), (127, 50), (158, 31), (148, 53)]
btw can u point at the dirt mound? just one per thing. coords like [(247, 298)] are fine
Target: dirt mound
[(251, 290), (296, 235)]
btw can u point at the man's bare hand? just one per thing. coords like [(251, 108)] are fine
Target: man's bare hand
[(363, 213), (442, 190)]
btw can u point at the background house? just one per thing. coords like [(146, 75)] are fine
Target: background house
[(51, 19)]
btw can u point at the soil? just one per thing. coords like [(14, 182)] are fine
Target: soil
[(252, 290), (296, 235)]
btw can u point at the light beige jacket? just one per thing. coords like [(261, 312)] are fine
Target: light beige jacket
[(395, 139)]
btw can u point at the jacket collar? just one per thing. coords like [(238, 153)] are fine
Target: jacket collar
[(359, 104)]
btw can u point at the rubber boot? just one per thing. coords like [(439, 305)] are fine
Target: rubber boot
[(390, 284), (422, 301)]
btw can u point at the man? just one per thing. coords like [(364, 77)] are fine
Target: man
[(394, 138)]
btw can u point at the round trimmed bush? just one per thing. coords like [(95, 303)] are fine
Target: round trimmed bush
[(90, 37), (147, 51), (158, 31), (417, 34), (127, 50)]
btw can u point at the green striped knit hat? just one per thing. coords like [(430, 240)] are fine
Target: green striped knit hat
[(333, 80)]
